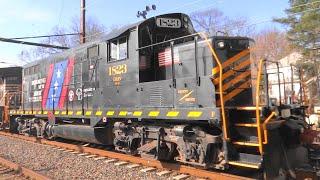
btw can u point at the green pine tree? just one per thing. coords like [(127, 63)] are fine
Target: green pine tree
[(303, 20)]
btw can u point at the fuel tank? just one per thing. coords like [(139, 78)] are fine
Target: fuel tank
[(101, 135)]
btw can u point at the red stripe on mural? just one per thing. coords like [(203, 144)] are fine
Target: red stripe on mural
[(47, 86), (66, 82)]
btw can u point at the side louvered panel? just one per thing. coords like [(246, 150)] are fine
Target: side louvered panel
[(155, 98)]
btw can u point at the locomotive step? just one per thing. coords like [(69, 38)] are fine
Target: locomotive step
[(245, 164), (247, 160), (246, 125), (246, 143), (248, 108)]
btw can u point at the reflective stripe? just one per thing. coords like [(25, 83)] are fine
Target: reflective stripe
[(39, 112), (79, 113), (194, 114), (56, 112), (63, 112), (123, 113), (45, 112), (70, 112), (98, 113), (137, 113), (172, 113), (88, 113), (153, 113), (110, 113)]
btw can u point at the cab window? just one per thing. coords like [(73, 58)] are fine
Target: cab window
[(118, 49)]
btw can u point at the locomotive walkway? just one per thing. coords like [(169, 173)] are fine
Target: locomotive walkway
[(158, 170)]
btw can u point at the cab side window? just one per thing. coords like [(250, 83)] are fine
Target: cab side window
[(118, 49)]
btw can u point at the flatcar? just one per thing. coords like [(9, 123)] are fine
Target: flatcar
[(159, 89)]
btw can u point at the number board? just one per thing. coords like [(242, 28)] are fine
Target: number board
[(168, 22)]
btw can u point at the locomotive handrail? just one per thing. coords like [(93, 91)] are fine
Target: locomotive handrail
[(257, 106), (265, 128), (225, 132), (170, 40)]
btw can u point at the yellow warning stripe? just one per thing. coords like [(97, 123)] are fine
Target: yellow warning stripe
[(232, 72), (123, 113), (235, 92), (88, 113), (240, 77), (154, 113), (231, 60), (137, 113), (98, 113), (110, 113), (194, 114), (172, 113), (78, 113)]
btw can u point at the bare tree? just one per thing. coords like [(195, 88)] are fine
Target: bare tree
[(214, 21), (94, 30), (271, 44)]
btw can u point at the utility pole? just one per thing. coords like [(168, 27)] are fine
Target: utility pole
[(83, 22)]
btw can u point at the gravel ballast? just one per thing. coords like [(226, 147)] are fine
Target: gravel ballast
[(65, 165)]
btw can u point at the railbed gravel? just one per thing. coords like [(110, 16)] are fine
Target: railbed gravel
[(64, 165)]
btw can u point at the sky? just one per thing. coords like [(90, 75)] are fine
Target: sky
[(19, 18)]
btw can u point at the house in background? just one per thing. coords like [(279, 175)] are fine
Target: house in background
[(289, 88)]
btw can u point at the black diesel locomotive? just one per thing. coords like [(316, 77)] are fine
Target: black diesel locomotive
[(158, 89)]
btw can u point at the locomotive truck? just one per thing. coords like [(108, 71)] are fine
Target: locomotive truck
[(159, 89)]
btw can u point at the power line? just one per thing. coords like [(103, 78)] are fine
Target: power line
[(54, 35), (32, 43)]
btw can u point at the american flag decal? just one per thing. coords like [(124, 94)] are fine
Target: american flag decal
[(165, 57)]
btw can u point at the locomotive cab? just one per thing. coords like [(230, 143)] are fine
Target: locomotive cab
[(154, 54)]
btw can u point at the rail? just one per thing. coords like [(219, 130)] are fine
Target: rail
[(133, 159), (26, 172)]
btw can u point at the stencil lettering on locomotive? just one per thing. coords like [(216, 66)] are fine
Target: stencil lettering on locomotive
[(116, 72), (37, 87), (71, 95), (186, 95)]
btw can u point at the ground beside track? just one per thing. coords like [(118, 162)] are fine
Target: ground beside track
[(64, 165)]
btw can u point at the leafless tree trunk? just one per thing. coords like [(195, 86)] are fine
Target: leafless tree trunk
[(213, 21), (94, 31)]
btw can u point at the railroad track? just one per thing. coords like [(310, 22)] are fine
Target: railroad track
[(130, 161), (10, 170)]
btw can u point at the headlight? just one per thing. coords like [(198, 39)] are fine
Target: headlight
[(221, 45), (185, 19)]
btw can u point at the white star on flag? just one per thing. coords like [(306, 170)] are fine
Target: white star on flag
[(58, 73), (56, 85)]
